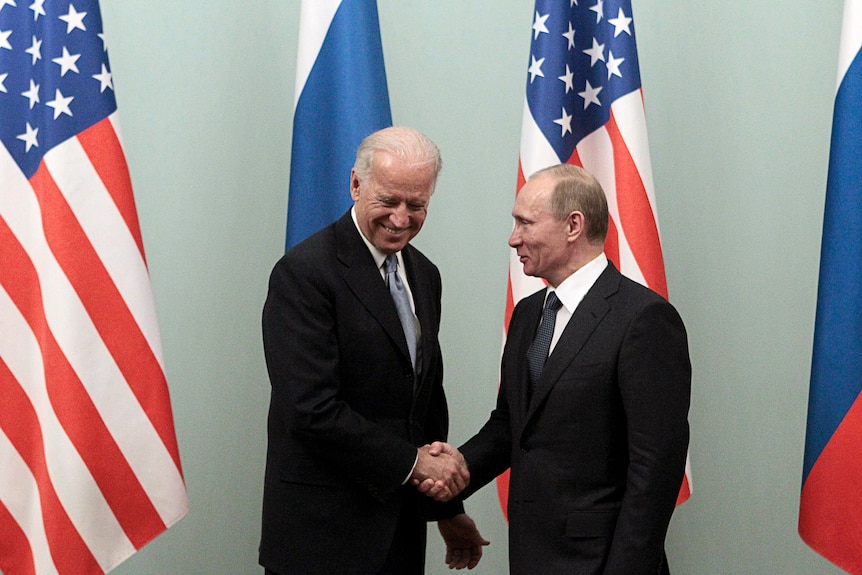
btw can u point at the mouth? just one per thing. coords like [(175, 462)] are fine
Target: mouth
[(394, 231)]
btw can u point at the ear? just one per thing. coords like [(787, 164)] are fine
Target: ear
[(575, 226), (354, 185)]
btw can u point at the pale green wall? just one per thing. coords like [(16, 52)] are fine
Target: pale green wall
[(738, 97)]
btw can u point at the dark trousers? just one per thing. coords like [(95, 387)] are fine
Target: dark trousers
[(407, 554)]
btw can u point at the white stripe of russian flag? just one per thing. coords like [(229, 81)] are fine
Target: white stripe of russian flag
[(314, 20), (851, 36)]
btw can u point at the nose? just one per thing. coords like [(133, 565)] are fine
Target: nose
[(515, 238), (400, 216)]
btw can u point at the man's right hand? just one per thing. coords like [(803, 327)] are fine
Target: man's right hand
[(441, 471)]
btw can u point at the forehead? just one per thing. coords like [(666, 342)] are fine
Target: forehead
[(534, 196), (393, 175)]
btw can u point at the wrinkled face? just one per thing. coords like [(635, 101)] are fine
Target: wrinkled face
[(539, 238), (392, 203)]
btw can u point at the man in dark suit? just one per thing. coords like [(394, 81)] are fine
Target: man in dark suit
[(596, 436), (354, 404)]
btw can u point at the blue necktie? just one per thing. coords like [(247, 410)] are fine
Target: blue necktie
[(538, 352), (402, 304)]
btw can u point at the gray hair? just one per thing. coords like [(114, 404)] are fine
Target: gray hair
[(405, 143)]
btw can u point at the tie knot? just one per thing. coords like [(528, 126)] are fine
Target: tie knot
[(553, 303), (391, 264)]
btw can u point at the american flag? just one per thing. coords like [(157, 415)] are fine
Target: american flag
[(584, 106), (89, 465)]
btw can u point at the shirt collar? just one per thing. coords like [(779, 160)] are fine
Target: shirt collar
[(573, 289)]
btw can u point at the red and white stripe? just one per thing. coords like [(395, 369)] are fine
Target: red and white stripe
[(617, 154), (89, 465)]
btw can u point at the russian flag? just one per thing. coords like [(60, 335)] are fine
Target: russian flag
[(830, 512), (341, 97)]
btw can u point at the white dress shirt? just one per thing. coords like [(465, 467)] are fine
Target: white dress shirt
[(572, 290)]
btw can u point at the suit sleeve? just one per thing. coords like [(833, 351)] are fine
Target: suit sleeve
[(489, 452), (301, 345), (654, 374)]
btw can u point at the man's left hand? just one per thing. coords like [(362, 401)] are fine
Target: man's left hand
[(463, 541)]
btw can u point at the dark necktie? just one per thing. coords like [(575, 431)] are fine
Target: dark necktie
[(538, 352), (402, 304)]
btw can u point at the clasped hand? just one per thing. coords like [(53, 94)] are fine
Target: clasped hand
[(441, 471)]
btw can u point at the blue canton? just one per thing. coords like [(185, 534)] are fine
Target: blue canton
[(583, 57), (55, 80)]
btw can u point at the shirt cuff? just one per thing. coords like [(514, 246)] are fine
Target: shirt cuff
[(412, 469)]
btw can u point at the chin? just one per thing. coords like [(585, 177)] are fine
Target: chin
[(391, 247)]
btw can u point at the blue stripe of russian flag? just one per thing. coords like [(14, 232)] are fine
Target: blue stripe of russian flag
[(344, 98)]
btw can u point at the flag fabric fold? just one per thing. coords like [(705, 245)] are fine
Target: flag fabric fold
[(341, 97), (584, 106), (830, 512), (89, 464)]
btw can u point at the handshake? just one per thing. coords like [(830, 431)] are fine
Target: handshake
[(441, 471)]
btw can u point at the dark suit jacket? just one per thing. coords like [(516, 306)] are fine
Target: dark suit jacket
[(347, 410), (598, 453)]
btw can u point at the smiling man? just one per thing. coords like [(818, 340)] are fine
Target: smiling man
[(350, 330), (592, 412)]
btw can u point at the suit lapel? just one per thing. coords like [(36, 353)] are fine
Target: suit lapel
[(587, 316), (521, 335), (364, 280), (422, 299)]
